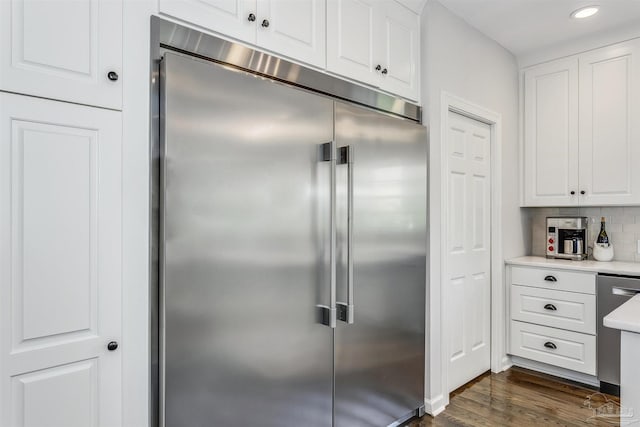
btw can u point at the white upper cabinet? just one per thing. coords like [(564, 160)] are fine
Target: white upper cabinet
[(293, 28), (399, 50), (370, 41), (581, 135), (235, 18), (351, 44), (610, 125), (68, 50), (551, 134), (374, 42)]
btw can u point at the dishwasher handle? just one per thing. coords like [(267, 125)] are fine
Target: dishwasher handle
[(625, 292)]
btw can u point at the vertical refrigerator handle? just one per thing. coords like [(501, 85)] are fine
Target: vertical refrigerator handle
[(328, 313), (346, 310)]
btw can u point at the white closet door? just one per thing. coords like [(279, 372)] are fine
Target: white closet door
[(295, 28), (60, 271), (62, 49), (467, 285), (609, 125)]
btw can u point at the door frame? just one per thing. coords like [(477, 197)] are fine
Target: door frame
[(453, 103)]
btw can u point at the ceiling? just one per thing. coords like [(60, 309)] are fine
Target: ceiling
[(523, 26)]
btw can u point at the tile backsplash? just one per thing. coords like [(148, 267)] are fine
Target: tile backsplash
[(623, 228)]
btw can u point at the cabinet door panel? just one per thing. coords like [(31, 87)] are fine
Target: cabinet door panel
[(60, 255), (609, 126), (351, 25), (296, 29), (399, 50), (551, 134), (62, 49), (227, 17)]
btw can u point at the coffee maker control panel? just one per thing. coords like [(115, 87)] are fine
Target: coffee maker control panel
[(552, 238)]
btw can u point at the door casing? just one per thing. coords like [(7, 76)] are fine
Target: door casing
[(499, 359)]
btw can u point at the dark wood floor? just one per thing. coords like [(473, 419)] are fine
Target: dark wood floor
[(519, 397)]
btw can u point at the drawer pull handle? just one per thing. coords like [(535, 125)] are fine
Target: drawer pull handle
[(550, 345), (550, 307), (550, 279)]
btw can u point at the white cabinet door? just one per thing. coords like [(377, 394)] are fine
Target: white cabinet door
[(60, 264), (610, 125), (551, 134), (351, 25), (398, 48), (228, 17), (62, 49), (295, 28)]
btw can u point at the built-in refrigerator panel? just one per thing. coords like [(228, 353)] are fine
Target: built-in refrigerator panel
[(246, 235), (381, 181)]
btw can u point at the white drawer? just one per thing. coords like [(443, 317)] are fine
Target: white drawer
[(558, 309), (569, 350), (560, 280)]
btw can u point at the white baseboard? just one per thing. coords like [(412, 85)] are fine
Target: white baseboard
[(506, 363), (555, 371), (434, 406)]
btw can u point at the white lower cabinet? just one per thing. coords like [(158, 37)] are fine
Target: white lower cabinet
[(564, 310), (553, 317), (558, 280), (565, 349), (60, 271)]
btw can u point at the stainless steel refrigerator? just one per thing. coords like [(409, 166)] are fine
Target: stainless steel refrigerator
[(292, 253)]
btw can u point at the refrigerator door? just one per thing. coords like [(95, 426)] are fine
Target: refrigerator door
[(245, 226), (380, 357)]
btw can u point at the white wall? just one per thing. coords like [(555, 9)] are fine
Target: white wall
[(463, 62), (583, 44)]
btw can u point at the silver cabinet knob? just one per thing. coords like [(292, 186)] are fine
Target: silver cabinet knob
[(265, 23), (251, 17)]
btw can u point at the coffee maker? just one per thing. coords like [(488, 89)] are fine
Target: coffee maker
[(566, 237)]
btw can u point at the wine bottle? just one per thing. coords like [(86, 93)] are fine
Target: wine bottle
[(602, 237)]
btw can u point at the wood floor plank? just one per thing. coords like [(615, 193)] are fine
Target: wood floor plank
[(518, 397)]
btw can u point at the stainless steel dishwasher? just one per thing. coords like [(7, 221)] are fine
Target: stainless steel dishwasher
[(613, 291)]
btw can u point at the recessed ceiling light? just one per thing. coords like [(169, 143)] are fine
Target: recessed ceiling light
[(585, 12)]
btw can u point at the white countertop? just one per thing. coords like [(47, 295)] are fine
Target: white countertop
[(613, 267), (626, 317)]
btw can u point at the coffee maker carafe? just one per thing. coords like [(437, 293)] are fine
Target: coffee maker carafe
[(566, 237)]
